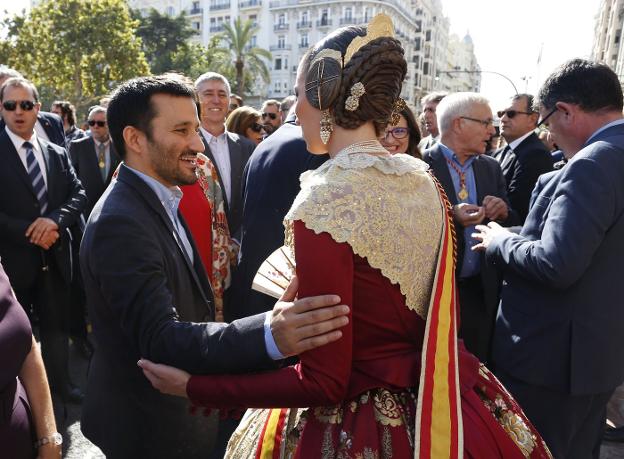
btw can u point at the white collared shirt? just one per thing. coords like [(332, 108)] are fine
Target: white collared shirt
[(221, 152), (107, 160), (41, 133), (18, 142), (513, 145)]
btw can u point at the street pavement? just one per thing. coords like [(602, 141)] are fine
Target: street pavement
[(76, 446)]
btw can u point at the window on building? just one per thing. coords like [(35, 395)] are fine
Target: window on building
[(195, 5), (368, 14), (253, 41), (278, 64), (196, 25), (304, 17), (285, 63), (426, 68), (253, 18), (348, 13), (303, 40), (281, 19), (324, 16), (227, 19), (417, 44), (281, 41), (428, 35), (170, 10)]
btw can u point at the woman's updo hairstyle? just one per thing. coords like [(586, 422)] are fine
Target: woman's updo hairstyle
[(379, 65)]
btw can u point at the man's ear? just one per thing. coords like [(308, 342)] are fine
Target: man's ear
[(134, 140), (566, 109)]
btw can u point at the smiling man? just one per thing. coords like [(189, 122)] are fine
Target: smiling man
[(228, 151), (475, 186), (148, 294)]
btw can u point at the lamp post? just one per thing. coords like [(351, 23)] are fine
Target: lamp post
[(483, 71)]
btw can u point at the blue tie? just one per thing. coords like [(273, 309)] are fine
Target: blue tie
[(36, 177)]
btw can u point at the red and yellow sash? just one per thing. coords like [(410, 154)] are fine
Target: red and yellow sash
[(271, 437)]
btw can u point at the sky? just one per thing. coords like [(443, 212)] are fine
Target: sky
[(508, 36)]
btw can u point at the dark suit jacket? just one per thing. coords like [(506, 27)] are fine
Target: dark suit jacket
[(241, 149), (490, 182), (146, 299), (521, 168), (19, 208), (270, 184), (561, 319), (83, 156)]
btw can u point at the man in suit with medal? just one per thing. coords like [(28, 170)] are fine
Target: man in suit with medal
[(147, 290), (475, 186), (40, 198), (228, 151)]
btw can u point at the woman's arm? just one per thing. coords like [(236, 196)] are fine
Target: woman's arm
[(35, 382), (322, 376)]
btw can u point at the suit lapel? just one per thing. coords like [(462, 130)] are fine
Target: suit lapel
[(91, 162), (208, 152), (198, 272), (442, 173), (480, 178), (236, 161), (48, 165), (12, 158)]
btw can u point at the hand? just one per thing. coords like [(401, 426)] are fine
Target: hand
[(468, 214), (48, 240), (495, 208), (166, 379), (486, 234), (37, 230), (307, 323)]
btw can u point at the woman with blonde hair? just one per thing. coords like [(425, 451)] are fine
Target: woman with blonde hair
[(245, 121)]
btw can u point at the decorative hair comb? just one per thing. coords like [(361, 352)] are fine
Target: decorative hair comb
[(380, 26)]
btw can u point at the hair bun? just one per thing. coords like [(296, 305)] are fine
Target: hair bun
[(323, 82)]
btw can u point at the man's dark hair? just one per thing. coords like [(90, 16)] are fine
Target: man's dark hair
[(67, 109), (21, 83), (131, 105), (590, 85), (530, 103)]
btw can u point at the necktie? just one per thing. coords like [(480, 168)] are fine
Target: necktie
[(36, 177), (102, 160), (504, 154)]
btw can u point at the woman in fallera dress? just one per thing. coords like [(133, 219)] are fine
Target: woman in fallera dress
[(374, 229)]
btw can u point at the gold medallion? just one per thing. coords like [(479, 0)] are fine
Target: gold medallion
[(463, 194), (102, 164)]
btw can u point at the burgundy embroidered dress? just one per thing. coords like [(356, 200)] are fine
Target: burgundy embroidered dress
[(382, 218)]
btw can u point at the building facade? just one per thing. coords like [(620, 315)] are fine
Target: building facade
[(608, 36), (288, 28)]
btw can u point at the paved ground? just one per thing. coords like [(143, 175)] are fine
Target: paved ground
[(76, 446)]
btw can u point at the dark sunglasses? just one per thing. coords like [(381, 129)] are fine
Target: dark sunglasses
[(25, 105), (256, 127), (511, 113), (398, 133), (270, 115), (99, 123)]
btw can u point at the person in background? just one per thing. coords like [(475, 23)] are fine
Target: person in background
[(236, 101), (24, 390), (287, 103), (245, 121), (271, 115), (404, 136), (67, 112), (430, 122)]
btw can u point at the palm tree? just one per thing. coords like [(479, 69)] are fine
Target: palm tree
[(247, 60)]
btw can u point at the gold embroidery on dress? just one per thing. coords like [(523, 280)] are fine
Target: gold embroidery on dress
[(386, 444), (328, 414), (387, 411), (352, 198)]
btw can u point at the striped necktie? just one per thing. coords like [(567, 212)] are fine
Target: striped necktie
[(36, 177)]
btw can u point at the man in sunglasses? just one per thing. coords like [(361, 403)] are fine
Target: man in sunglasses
[(271, 116), (49, 126), (558, 340), (525, 157), (94, 158), (40, 199)]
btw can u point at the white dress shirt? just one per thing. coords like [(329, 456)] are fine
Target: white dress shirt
[(221, 152), (41, 132), (18, 142)]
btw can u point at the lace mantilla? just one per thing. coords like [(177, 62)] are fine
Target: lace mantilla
[(387, 208)]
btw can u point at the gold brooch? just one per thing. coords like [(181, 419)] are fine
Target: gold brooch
[(353, 101)]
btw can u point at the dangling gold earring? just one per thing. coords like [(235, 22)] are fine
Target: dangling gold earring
[(326, 126)]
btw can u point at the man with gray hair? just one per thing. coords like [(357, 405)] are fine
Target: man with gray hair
[(475, 186), (229, 152), (48, 126), (429, 104)]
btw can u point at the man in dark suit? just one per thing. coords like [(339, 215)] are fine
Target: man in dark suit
[(525, 157), (475, 186), (270, 184), (148, 295), (558, 339), (94, 158), (40, 198), (229, 152)]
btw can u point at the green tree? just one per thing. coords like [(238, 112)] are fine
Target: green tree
[(244, 61), (163, 36), (79, 49), (194, 59)]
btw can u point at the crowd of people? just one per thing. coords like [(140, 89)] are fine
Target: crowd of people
[(456, 289)]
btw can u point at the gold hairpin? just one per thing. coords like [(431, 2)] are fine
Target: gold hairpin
[(329, 53), (380, 26)]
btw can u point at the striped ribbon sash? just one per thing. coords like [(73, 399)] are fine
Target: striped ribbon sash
[(36, 177)]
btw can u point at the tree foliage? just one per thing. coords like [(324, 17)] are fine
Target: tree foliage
[(163, 37), (194, 59), (79, 49), (245, 62)]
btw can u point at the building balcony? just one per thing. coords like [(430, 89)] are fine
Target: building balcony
[(324, 23), (220, 6), (304, 45), (348, 21), (280, 48), (217, 28), (249, 4), (281, 27), (304, 25), (194, 11)]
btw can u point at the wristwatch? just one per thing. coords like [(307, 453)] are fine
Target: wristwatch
[(56, 439)]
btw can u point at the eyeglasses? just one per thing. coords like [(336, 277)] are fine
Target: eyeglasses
[(273, 116), (99, 123), (485, 123), (26, 105), (543, 120), (511, 113), (256, 127), (398, 133)]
